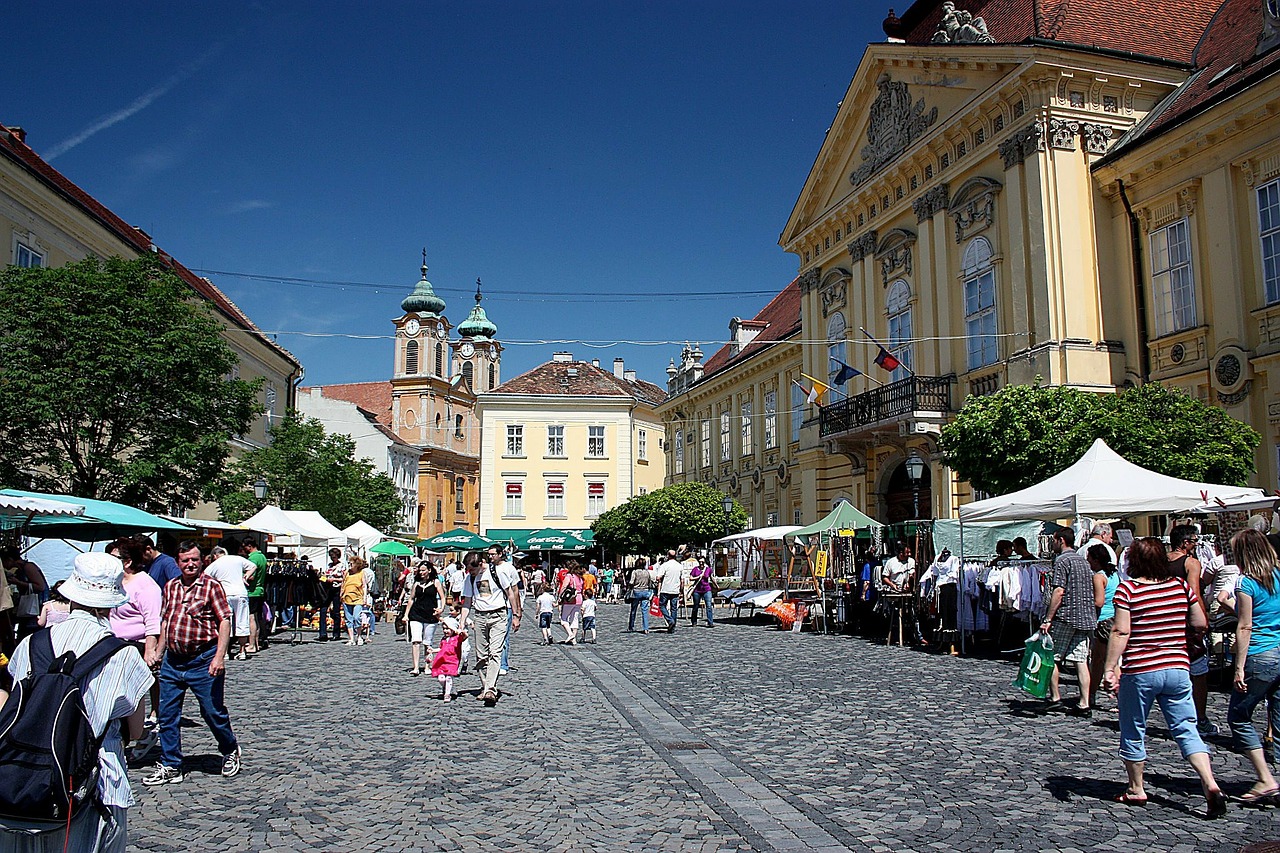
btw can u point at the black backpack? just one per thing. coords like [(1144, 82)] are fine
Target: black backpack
[(48, 752)]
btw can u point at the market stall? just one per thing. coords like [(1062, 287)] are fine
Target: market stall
[(828, 565), (757, 557)]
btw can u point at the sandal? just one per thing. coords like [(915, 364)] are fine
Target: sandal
[(1217, 804), (1130, 800), (1258, 798)]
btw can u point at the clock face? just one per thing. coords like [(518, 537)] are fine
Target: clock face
[(467, 350), (442, 332), (411, 328)]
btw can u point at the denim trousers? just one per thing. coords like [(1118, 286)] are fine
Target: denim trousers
[(668, 603), (1172, 689), (1262, 678), (351, 612), (640, 599), (703, 599), (178, 674)]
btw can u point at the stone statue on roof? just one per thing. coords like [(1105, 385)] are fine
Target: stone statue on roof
[(960, 27)]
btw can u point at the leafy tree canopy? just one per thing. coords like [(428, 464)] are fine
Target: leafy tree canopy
[(308, 468), (682, 513), (1026, 433), (113, 384)]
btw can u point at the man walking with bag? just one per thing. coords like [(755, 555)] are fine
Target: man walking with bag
[(488, 592)]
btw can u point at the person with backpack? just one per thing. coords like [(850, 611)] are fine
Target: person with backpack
[(76, 664), (490, 590)]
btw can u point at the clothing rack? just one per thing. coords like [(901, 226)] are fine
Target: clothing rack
[(293, 584)]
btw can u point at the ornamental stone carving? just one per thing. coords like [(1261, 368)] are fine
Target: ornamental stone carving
[(1022, 144), (1270, 35), (931, 202), (974, 206), (809, 280), (894, 253), (862, 245), (1096, 137), (960, 27), (834, 291), (1062, 133), (895, 122)]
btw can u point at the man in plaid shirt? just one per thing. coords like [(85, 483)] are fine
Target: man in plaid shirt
[(195, 631)]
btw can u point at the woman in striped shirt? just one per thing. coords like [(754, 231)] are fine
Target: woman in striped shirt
[(1147, 661)]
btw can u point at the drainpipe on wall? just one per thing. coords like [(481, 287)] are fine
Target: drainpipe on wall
[(292, 403), (1139, 289)]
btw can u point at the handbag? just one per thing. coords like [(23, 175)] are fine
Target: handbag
[(28, 605), (1037, 666), (401, 627)]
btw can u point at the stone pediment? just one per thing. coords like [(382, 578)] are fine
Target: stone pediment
[(895, 104)]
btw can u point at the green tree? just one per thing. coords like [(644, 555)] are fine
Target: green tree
[(1026, 433), (682, 513), (307, 468), (113, 384)]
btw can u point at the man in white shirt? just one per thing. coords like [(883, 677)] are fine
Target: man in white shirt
[(899, 570), (668, 577), (1100, 534), (233, 572), (489, 591)]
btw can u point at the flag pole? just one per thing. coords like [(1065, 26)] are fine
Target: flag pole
[(905, 367)]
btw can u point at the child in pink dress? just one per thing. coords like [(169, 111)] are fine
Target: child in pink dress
[(444, 666)]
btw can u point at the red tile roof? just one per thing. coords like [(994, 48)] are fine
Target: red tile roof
[(372, 397), (780, 319), (587, 380), (13, 147), (1225, 64), (1161, 29)]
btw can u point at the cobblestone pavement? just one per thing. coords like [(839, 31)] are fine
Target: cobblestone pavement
[(733, 738)]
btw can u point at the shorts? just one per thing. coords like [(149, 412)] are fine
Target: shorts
[(588, 623), (544, 620), (1070, 644), (1200, 666), (1102, 634), (418, 630), (239, 616)]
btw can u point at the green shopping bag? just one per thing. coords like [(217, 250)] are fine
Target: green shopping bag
[(1037, 666)]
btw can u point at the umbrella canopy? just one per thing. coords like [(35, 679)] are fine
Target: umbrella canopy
[(458, 539), (550, 539), (395, 549), (100, 519), (16, 511)]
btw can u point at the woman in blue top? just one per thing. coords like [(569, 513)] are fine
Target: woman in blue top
[(1257, 670), (1105, 581)]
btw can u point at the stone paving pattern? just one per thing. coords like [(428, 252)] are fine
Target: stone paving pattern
[(733, 738)]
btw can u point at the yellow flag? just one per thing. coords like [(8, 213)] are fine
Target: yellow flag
[(818, 391)]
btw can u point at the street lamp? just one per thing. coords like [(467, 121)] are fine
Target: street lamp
[(728, 510), (260, 489), (915, 470)]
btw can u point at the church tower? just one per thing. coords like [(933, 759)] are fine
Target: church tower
[(422, 333), (477, 354)]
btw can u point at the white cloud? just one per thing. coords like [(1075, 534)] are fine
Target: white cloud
[(248, 205)]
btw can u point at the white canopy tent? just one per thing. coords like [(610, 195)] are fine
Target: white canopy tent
[(363, 536), (1102, 483), (285, 529), (746, 547)]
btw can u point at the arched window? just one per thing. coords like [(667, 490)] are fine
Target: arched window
[(466, 374), (837, 343), (437, 420), (457, 426), (979, 304), (898, 306), (493, 373), (411, 358), (439, 359)]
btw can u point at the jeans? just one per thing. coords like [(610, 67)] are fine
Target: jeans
[(668, 603), (506, 642), (491, 634), (703, 599), (1262, 677), (331, 610), (351, 612), (640, 599), (178, 674), (1172, 689)]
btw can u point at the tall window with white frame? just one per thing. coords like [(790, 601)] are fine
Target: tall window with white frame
[(837, 346), (555, 440), (595, 499), (642, 445), (797, 410), (515, 501), (595, 442), (979, 304), (1172, 278), (515, 440), (747, 446), (726, 451), (898, 306), (770, 419), (555, 500), (678, 461), (25, 256), (705, 426), (1269, 234)]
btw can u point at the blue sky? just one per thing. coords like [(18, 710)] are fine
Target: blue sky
[(553, 149)]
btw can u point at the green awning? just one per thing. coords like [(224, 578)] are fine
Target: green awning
[(845, 516), (101, 519), (520, 537), (458, 539)]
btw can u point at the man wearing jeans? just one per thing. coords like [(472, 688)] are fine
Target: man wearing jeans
[(669, 575), (195, 630), (488, 592)]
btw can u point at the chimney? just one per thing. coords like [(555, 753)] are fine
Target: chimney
[(595, 362), (629, 375), (617, 367), (19, 134), (562, 357)]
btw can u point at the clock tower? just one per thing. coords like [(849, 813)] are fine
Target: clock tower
[(422, 333), (477, 354)]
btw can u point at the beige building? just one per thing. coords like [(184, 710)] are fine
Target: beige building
[(969, 210), (47, 221), (565, 442)]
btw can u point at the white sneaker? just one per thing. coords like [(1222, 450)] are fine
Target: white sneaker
[(163, 775)]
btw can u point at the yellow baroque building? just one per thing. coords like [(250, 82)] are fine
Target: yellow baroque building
[(1081, 192)]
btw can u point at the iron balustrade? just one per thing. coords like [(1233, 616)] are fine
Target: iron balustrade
[(889, 402)]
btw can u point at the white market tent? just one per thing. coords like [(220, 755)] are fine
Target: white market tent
[(747, 548), (364, 536), (1102, 483), (313, 520), (285, 529)]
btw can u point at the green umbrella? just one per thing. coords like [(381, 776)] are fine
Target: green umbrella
[(458, 539), (550, 539), (392, 547)]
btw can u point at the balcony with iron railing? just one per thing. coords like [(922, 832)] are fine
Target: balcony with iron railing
[(915, 397)]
